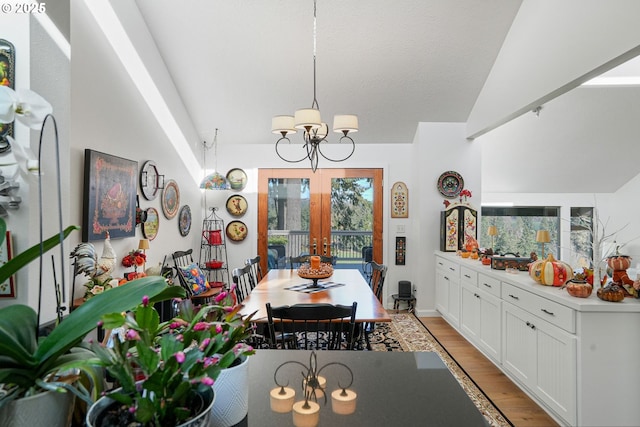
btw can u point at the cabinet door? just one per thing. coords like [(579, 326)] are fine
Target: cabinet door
[(470, 313), (490, 325), (518, 345), (442, 292), (454, 301)]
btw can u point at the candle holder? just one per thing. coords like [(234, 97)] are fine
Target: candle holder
[(306, 412)]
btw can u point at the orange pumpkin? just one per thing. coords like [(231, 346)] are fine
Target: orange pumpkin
[(550, 271), (619, 262)]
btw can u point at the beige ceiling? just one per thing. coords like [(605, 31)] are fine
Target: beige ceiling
[(393, 63)]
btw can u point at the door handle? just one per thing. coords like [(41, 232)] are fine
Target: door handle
[(324, 246), (315, 246)]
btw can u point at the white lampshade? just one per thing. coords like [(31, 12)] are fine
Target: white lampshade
[(348, 122), (322, 131), (307, 117), (281, 124)]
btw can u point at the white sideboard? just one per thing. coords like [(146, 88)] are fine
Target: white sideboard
[(577, 357)]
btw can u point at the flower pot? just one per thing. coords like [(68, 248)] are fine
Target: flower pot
[(202, 419), (43, 409), (232, 395)]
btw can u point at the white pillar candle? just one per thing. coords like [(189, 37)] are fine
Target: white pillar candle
[(343, 401), (282, 399), (308, 416), (322, 382)]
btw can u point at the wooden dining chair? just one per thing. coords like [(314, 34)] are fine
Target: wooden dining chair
[(256, 269), (244, 281), (312, 326), (376, 283), (191, 277)]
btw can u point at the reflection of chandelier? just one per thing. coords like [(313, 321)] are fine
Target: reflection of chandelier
[(309, 121)]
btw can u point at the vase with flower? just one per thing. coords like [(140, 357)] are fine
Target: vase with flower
[(135, 259)]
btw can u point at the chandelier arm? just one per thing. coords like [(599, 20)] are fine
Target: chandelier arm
[(283, 158), (353, 149)]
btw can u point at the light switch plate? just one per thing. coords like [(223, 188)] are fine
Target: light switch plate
[(400, 228)]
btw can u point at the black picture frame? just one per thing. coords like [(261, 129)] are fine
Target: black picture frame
[(109, 202)]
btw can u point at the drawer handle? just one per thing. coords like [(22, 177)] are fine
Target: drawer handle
[(487, 285), (476, 295), (452, 269), (514, 297), (440, 263), (446, 277), (467, 276), (550, 313), (531, 325)]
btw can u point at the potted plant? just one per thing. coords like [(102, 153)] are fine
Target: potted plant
[(30, 366), (163, 368)]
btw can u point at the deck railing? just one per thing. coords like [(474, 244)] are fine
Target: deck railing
[(348, 246)]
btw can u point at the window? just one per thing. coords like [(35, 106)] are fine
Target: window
[(581, 237), (517, 227)]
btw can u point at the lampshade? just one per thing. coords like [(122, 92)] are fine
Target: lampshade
[(281, 124), (543, 236), (144, 244), (214, 181), (492, 230), (345, 122), (307, 117)]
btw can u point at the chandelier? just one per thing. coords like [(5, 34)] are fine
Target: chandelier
[(308, 120)]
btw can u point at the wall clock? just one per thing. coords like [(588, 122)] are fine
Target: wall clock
[(150, 180), (450, 184)]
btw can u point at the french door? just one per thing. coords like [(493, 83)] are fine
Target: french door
[(333, 212)]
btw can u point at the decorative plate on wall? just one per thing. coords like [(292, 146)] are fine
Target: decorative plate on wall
[(237, 205), (150, 226), (236, 231), (450, 184), (237, 179), (170, 199), (184, 220)]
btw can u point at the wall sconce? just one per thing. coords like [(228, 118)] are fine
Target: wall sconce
[(493, 232), (306, 412), (543, 236)]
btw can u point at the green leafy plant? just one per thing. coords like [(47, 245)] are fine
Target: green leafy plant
[(29, 364), (160, 366)]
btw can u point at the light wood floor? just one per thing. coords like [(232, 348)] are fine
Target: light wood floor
[(514, 404)]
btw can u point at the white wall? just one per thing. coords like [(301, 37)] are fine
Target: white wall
[(440, 147)]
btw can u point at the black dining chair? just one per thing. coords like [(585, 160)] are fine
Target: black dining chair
[(244, 281), (376, 283), (256, 269), (312, 326)]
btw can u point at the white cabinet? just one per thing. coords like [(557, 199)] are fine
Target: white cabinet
[(542, 357), (448, 290), (480, 320)]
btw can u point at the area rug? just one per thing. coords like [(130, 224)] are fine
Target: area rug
[(407, 333)]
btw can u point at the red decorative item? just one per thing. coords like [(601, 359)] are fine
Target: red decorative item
[(550, 271)]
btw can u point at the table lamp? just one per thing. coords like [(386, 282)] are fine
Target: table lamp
[(543, 236), (143, 246), (493, 232)]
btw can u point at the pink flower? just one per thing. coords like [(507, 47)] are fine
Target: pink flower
[(205, 343), (218, 329), (145, 300), (180, 357), (132, 335), (222, 295), (201, 326), (207, 381)]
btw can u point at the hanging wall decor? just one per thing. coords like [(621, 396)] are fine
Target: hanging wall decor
[(151, 182), (236, 205), (151, 225), (170, 199), (8, 288), (458, 224), (399, 200), (237, 179), (109, 202), (7, 78), (450, 184), (401, 250), (184, 220)]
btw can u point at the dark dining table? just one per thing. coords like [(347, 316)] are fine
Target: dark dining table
[(393, 389)]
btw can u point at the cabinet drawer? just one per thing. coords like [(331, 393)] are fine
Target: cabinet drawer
[(468, 276), (489, 284), (552, 312), (448, 266)]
